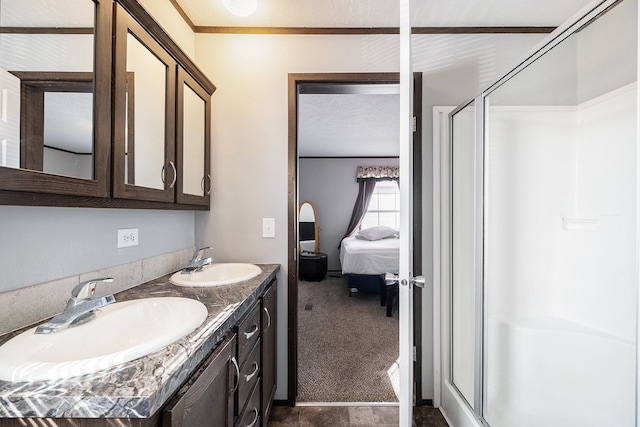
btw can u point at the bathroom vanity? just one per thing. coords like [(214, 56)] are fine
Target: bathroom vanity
[(222, 374)]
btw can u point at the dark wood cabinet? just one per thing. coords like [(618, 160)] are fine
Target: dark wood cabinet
[(216, 392), (151, 114), (161, 122), (269, 304), (207, 398), (22, 173)]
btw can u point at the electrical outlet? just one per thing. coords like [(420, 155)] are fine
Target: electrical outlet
[(268, 227), (127, 237)]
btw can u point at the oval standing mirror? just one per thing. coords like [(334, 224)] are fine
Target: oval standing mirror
[(308, 230)]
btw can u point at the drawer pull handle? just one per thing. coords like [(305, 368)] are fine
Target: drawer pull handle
[(255, 419), (252, 332), (235, 365), (256, 368), (266, 310)]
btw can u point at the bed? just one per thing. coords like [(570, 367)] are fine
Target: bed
[(365, 262)]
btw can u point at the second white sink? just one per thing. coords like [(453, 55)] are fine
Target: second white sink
[(217, 274)]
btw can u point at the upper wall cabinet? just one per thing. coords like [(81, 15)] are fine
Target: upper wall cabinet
[(161, 117), (99, 107), (54, 85), (144, 115)]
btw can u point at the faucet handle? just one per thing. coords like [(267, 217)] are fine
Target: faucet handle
[(86, 289), (199, 252)]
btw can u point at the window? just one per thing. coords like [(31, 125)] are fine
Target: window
[(384, 208)]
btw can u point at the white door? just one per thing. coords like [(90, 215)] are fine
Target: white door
[(406, 232)]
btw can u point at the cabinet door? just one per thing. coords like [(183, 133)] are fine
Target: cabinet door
[(269, 338), (193, 141), (55, 130), (144, 166), (207, 398)]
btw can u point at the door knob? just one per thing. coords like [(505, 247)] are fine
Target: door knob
[(390, 278), (418, 281)]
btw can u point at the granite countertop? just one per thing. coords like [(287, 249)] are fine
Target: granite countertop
[(137, 389)]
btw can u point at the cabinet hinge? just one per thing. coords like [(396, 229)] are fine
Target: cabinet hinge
[(415, 354), (415, 123)]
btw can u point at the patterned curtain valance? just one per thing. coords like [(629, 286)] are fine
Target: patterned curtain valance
[(378, 173)]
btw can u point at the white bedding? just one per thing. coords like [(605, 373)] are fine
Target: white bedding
[(359, 256)]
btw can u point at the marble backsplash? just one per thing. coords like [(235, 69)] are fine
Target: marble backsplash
[(42, 301)]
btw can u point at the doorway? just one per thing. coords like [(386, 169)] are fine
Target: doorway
[(327, 80)]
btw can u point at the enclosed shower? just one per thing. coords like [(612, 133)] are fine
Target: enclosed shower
[(544, 232)]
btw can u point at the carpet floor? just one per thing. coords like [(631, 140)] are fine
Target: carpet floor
[(347, 347)]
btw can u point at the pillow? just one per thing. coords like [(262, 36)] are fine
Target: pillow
[(377, 233)]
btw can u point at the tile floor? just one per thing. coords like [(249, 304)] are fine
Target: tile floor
[(348, 416)]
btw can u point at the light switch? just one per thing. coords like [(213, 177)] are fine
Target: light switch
[(268, 228)]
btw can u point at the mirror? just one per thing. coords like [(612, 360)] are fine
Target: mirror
[(193, 142), (145, 142), (308, 230), (46, 86)]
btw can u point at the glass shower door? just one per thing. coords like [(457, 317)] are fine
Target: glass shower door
[(463, 231), (560, 218)]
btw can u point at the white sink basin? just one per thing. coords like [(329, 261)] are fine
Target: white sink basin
[(217, 274), (121, 332)]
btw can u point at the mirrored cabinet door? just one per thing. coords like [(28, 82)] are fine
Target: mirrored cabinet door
[(144, 115), (55, 96), (193, 134)]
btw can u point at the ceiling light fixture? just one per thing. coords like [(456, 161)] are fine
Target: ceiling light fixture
[(241, 7)]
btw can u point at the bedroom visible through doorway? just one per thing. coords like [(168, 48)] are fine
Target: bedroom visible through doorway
[(345, 345)]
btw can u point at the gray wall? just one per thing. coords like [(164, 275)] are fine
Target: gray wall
[(330, 184), (42, 244)]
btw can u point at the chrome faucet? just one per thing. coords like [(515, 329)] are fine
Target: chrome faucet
[(80, 308), (197, 262)]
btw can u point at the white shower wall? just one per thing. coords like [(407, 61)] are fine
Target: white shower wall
[(596, 284), (529, 171), (562, 180)]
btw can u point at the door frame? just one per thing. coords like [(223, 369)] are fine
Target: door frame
[(292, 213)]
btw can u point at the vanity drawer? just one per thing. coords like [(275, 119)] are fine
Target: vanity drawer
[(250, 417), (249, 373), (248, 333)]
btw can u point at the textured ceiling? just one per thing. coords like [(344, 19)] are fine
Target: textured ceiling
[(366, 125), (384, 13), (348, 125)]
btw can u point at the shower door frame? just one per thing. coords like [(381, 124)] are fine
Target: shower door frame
[(454, 404)]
